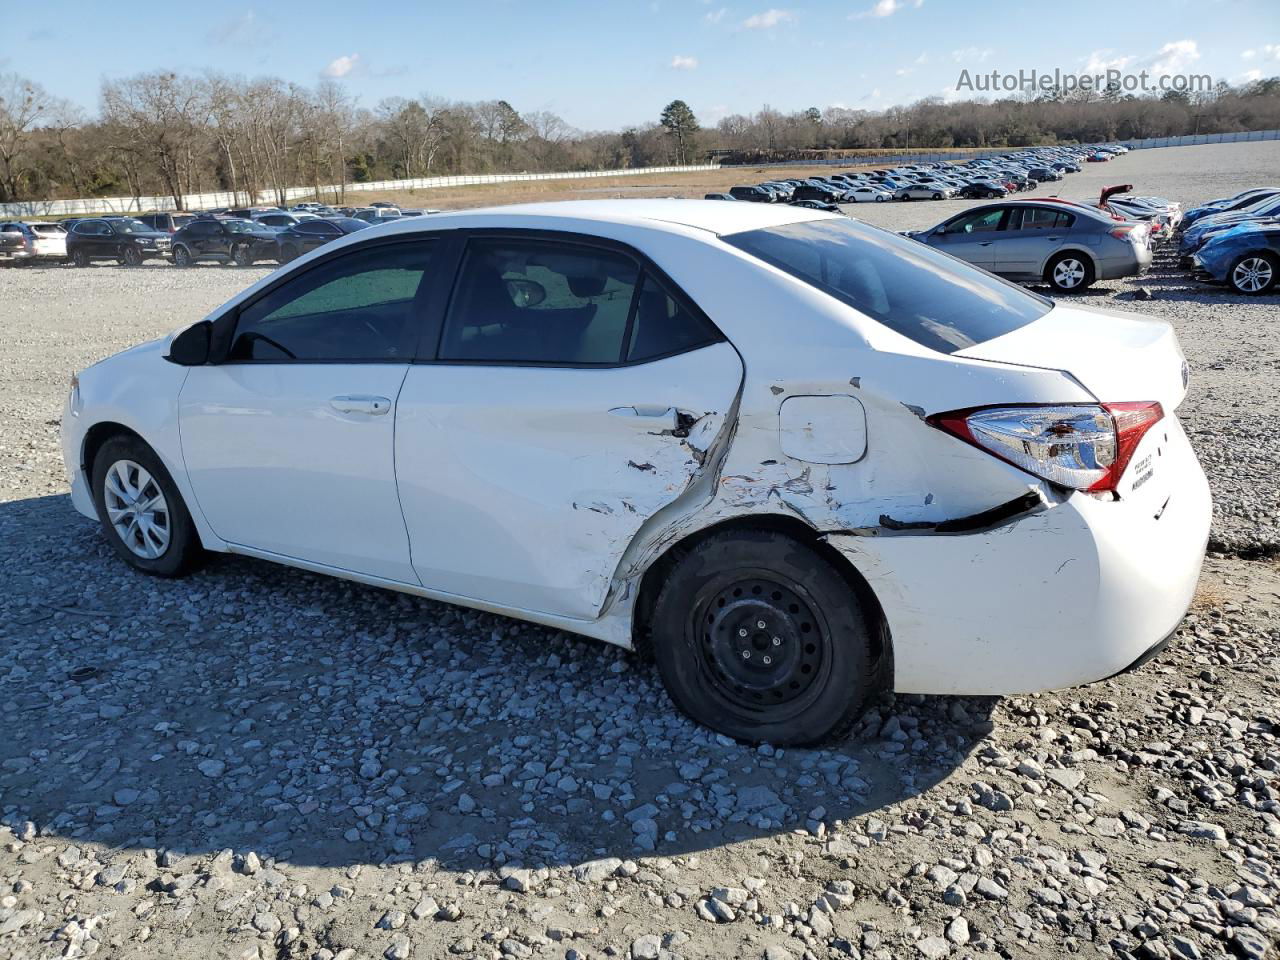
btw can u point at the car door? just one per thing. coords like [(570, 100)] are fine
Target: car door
[(199, 237), (573, 394), (1031, 236), (970, 235), (288, 439), (315, 233)]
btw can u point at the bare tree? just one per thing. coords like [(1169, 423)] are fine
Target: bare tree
[(23, 107)]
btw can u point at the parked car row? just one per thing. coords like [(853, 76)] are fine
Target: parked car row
[(984, 178), (242, 236), (1235, 241)]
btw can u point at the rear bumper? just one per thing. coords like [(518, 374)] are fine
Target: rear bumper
[(1067, 596), (1131, 262)]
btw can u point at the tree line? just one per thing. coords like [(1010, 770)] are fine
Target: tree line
[(176, 134)]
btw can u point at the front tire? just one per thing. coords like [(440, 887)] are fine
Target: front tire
[(758, 637), (1069, 273), (131, 256), (182, 256), (242, 256), (142, 513), (1253, 274)]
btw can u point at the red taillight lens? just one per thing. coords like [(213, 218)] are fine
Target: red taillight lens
[(1080, 446)]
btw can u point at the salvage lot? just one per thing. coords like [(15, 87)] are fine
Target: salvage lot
[(384, 780)]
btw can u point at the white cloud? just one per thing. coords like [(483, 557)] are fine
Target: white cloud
[(1100, 61), (1175, 57), (679, 62), (873, 95), (715, 16), (768, 20), (342, 65), (885, 8), (923, 58), (903, 71), (971, 54), (1250, 75), (1268, 51)]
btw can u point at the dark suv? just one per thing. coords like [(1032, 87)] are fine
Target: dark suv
[(754, 194), (167, 222), (122, 239), (241, 242)]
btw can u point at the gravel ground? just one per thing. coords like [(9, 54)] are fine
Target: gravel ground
[(263, 763)]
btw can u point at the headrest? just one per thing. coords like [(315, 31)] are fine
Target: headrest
[(586, 286)]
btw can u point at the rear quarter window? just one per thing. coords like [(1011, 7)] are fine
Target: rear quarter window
[(925, 295)]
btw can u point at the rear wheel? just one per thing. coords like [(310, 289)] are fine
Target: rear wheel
[(131, 256), (141, 511), (761, 639), (1069, 272), (1253, 274), (79, 257)]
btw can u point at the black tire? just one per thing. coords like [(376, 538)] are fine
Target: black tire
[(1078, 278), (79, 257), (182, 256), (183, 550), (289, 252), (1254, 274), (241, 255), (937, 196), (822, 674), (131, 256)]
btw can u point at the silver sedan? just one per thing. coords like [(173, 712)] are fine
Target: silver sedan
[(1064, 244)]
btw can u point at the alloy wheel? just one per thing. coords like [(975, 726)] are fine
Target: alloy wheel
[(1252, 275), (1068, 274), (137, 509)]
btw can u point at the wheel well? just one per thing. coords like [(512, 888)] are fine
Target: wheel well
[(654, 577), (95, 437)]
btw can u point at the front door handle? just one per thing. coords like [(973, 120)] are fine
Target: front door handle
[(664, 418), (985, 243), (361, 403)]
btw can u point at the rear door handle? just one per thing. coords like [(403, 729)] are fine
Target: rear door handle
[(985, 243), (649, 417), (361, 403)]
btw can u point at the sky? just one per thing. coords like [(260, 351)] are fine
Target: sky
[(613, 63)]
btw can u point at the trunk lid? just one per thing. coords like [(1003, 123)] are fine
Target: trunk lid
[(1116, 356)]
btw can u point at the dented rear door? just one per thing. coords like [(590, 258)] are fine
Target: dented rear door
[(522, 485)]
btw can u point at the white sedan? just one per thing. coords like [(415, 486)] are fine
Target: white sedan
[(795, 457), (867, 195)]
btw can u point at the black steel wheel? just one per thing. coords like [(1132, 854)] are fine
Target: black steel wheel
[(760, 638)]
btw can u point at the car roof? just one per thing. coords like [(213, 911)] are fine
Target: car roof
[(714, 216)]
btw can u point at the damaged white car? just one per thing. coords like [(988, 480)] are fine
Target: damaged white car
[(797, 458)]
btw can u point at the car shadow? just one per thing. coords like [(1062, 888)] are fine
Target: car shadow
[(326, 723)]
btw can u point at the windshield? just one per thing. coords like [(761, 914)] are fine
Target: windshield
[(924, 294), (129, 225), (240, 226)]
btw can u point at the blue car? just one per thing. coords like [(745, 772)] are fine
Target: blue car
[(1228, 204), (1245, 258), (1199, 234)]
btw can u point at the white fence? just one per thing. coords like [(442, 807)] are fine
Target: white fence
[(1243, 136), (200, 201)]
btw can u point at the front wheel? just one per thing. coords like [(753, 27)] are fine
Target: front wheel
[(937, 196), (131, 256), (141, 511), (182, 256), (758, 637), (1069, 273), (1253, 274), (242, 256)]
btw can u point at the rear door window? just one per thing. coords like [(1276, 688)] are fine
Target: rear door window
[(540, 301), (922, 293)]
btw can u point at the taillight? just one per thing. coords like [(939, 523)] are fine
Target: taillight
[(1081, 446)]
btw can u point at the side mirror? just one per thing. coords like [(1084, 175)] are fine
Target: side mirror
[(190, 348), (526, 293)]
